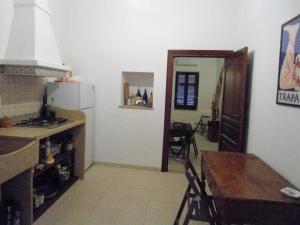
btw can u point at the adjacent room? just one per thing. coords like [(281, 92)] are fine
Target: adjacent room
[(196, 101), (127, 112)]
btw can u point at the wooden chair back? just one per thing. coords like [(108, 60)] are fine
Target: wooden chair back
[(197, 186)]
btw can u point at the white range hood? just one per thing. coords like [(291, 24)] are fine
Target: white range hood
[(32, 41)]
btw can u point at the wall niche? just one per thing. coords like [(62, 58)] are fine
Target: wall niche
[(137, 90)]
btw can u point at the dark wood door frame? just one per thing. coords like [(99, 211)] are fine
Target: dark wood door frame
[(172, 54)]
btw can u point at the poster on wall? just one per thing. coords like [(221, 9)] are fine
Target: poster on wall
[(288, 89)]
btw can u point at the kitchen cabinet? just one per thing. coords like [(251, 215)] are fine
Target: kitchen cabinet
[(19, 188)]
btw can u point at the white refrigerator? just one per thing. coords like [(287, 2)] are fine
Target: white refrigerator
[(76, 96)]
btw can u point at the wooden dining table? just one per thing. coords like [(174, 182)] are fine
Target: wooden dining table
[(246, 190), (178, 129)]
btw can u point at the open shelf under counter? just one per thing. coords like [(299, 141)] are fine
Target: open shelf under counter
[(49, 202), (57, 159), (135, 107)]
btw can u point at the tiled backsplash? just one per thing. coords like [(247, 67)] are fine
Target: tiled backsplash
[(21, 96)]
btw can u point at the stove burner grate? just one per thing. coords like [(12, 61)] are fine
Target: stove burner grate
[(38, 122)]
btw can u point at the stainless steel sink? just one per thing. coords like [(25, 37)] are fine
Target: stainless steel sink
[(16, 156)]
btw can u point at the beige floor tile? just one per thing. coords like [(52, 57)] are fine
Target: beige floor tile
[(119, 202), (140, 193), (102, 217), (164, 196), (170, 181), (130, 178), (119, 196), (80, 198), (160, 213), (131, 216)]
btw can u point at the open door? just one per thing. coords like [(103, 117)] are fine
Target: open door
[(234, 105)]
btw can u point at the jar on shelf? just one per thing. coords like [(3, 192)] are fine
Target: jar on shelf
[(68, 145)]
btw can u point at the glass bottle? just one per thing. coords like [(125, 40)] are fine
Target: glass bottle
[(138, 94), (145, 97), (150, 100)]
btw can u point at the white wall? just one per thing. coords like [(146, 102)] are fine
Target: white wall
[(209, 71), (6, 14), (274, 130), (107, 37)]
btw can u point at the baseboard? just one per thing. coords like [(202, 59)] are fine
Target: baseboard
[(127, 166)]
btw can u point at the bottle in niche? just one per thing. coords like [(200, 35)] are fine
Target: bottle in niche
[(138, 94), (145, 97), (132, 99), (150, 100)]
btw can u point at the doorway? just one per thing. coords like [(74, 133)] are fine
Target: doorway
[(195, 95), (235, 69)]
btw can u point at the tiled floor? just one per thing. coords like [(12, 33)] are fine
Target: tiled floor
[(176, 165), (119, 196)]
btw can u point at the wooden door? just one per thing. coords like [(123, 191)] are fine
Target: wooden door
[(234, 105)]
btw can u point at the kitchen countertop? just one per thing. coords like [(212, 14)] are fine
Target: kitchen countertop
[(37, 132), (76, 125)]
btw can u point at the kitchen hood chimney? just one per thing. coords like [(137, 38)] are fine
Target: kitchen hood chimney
[(32, 46)]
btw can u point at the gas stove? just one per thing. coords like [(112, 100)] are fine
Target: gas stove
[(38, 122)]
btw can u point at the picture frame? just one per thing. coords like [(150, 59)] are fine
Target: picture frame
[(288, 86)]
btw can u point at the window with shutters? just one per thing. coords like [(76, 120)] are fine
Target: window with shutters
[(186, 90)]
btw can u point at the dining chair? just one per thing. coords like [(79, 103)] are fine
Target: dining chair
[(193, 140), (177, 146), (203, 124), (200, 206)]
